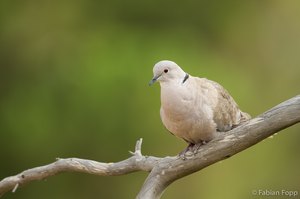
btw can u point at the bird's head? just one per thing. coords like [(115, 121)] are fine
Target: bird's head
[(165, 71)]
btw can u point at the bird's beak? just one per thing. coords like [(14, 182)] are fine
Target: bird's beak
[(154, 80)]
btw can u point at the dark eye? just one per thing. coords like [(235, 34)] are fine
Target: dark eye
[(166, 70)]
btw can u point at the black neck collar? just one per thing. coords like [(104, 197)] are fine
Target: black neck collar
[(185, 78)]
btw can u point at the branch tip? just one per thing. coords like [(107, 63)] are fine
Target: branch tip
[(138, 148), (15, 188), (138, 145)]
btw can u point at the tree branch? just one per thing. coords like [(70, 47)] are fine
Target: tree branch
[(164, 171), (137, 162)]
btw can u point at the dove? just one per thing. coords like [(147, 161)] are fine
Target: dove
[(192, 108)]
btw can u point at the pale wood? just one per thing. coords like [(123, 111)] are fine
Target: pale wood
[(164, 171)]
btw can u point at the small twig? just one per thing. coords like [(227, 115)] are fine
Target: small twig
[(15, 188), (138, 148)]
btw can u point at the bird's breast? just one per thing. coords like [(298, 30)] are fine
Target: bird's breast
[(176, 101), (185, 115)]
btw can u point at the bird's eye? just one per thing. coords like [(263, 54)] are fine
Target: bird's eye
[(166, 70)]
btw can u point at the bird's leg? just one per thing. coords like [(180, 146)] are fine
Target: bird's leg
[(193, 148), (196, 147), (187, 149)]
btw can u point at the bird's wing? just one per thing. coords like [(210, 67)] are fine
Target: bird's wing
[(226, 113)]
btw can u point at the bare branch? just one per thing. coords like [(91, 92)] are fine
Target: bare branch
[(164, 171), (137, 162), (170, 169)]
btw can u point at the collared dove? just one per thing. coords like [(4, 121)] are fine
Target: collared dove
[(192, 108)]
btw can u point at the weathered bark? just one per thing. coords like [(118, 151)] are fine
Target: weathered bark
[(164, 171)]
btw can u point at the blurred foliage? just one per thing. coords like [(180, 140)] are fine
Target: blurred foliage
[(73, 82)]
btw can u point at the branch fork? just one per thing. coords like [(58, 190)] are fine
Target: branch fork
[(138, 148), (164, 171)]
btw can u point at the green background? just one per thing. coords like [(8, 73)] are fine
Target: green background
[(74, 83)]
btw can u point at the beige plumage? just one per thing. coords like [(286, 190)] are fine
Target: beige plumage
[(194, 109)]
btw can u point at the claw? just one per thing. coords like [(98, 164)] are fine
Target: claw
[(192, 148)]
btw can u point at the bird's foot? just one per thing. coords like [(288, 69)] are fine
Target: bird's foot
[(185, 152), (197, 146), (191, 149)]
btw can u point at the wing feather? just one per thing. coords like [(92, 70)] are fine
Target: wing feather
[(226, 113)]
